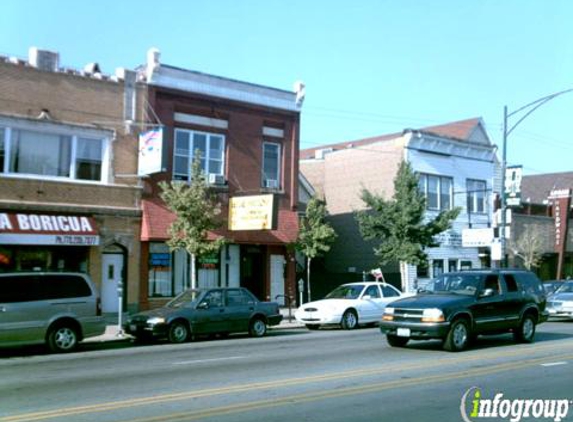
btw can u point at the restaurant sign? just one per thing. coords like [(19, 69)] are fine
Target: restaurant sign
[(47, 229), (256, 212)]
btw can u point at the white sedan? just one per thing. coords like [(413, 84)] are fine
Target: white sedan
[(349, 305)]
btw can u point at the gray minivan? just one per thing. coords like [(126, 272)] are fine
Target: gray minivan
[(59, 309)]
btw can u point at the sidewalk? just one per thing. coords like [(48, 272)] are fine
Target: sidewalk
[(112, 332)]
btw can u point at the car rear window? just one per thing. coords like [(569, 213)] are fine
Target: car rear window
[(529, 283), (30, 288), (64, 287)]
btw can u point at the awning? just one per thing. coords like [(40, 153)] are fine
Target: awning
[(157, 219), (19, 228)]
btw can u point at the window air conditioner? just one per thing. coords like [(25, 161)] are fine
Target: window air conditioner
[(216, 179), (271, 184)]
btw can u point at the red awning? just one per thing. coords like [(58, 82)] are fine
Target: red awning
[(157, 219)]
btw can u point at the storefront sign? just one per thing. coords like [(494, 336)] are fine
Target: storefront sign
[(252, 212), (512, 188), (449, 238), (562, 201), (477, 238), (150, 152), (45, 229)]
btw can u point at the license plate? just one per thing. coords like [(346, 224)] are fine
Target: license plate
[(403, 332)]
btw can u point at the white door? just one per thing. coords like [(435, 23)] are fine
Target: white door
[(112, 268), (278, 278)]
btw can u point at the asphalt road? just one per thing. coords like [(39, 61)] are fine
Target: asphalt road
[(290, 375)]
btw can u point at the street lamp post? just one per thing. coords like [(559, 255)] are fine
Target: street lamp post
[(527, 110)]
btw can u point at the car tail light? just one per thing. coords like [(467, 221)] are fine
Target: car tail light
[(98, 306)]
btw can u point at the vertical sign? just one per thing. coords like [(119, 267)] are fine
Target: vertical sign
[(562, 201), (512, 188), (150, 152)]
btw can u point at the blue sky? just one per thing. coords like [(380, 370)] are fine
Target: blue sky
[(370, 67)]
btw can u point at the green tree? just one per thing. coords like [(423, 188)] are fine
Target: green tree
[(401, 224), (196, 211), (315, 235)]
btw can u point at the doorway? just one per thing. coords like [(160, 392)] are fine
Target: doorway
[(112, 277), (253, 270)]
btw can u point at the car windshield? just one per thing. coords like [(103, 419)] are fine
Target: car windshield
[(346, 291), (463, 284), (185, 298), (566, 288)]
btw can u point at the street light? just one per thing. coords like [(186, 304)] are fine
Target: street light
[(527, 109)]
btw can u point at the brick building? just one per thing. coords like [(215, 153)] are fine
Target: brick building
[(248, 136), (456, 165), (69, 200)]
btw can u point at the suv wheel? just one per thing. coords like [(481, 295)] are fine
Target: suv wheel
[(525, 333), (63, 338), (458, 337), (178, 332), (396, 341), (349, 320)]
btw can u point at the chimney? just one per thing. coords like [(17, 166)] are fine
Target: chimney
[(153, 55), (43, 59)]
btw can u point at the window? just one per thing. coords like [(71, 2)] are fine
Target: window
[(437, 268), (52, 154), (510, 283), (271, 165), (476, 194), (214, 298), (390, 292), (373, 292), (210, 146), (236, 297), (437, 190)]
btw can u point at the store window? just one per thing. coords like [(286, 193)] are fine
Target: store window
[(437, 268), (438, 191), (211, 149), (52, 154), (44, 258), (169, 272)]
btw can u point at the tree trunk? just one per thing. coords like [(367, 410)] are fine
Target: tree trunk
[(193, 273), (308, 277)]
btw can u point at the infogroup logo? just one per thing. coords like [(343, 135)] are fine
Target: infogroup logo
[(475, 407)]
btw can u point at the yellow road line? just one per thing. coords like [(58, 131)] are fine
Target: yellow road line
[(427, 363)]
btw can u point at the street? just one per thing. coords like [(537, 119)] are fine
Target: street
[(290, 375)]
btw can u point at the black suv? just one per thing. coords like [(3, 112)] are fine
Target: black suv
[(456, 307)]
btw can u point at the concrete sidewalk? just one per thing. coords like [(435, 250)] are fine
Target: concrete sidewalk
[(112, 332)]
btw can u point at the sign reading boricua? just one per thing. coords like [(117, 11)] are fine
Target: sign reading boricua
[(46, 229)]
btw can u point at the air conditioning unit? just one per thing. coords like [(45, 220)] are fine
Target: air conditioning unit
[(271, 184), (216, 179)]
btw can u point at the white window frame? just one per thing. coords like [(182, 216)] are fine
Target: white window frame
[(423, 184), (472, 195), (279, 163), (191, 152), (75, 133)]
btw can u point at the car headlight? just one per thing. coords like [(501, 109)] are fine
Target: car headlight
[(156, 320), (388, 314), (433, 315)]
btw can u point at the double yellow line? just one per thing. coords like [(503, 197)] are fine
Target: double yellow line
[(290, 382)]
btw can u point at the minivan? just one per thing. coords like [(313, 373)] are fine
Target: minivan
[(58, 309)]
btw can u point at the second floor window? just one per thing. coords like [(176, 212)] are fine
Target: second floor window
[(35, 153), (271, 165), (476, 196), (210, 146), (437, 190)]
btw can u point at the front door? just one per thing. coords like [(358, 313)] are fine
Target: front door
[(112, 270), (278, 279)]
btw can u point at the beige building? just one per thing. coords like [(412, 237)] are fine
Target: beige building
[(69, 198)]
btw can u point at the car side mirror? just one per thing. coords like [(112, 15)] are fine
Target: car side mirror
[(487, 293), (203, 305)]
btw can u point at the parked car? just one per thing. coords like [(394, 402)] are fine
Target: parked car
[(560, 304), (206, 311), (349, 305), (457, 307), (551, 286), (59, 309)]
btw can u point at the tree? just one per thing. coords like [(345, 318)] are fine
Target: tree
[(196, 212), (529, 246), (315, 235), (400, 224)]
